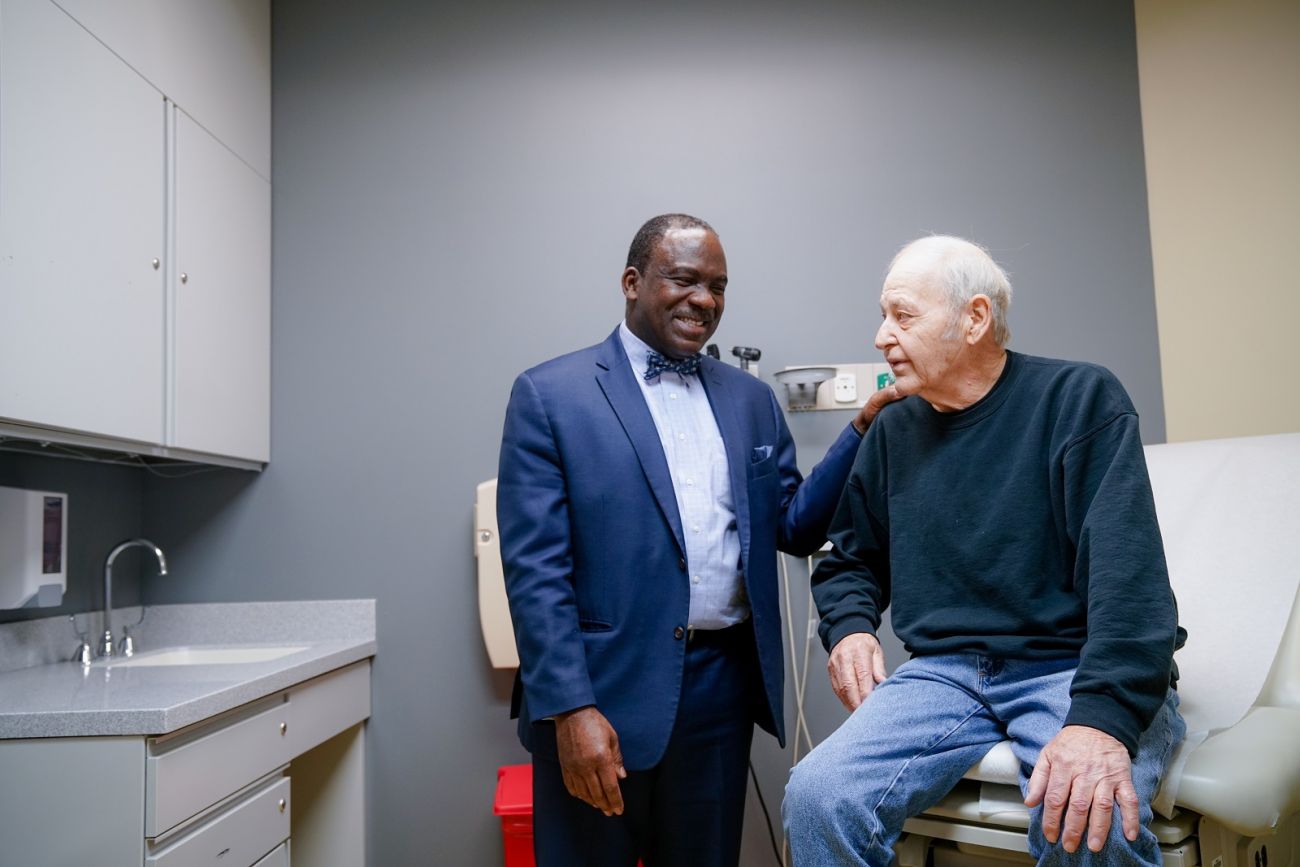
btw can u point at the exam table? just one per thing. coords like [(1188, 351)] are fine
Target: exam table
[(1229, 514)]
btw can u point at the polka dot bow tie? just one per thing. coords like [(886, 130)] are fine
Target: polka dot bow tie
[(657, 364)]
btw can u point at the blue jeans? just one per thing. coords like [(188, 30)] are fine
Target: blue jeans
[(921, 729)]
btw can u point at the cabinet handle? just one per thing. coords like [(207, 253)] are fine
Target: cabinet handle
[(185, 278), (284, 729), (156, 263), (282, 805)]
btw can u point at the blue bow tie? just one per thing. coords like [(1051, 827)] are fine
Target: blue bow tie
[(657, 364)]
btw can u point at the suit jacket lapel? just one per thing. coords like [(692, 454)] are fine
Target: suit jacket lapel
[(736, 443), (618, 381)]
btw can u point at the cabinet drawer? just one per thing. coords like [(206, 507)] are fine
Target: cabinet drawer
[(329, 704), (236, 836), (187, 771), (278, 858)]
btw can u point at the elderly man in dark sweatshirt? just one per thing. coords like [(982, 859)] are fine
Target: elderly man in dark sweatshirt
[(1004, 509)]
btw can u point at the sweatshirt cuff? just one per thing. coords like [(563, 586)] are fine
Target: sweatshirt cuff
[(1107, 715), (846, 627)]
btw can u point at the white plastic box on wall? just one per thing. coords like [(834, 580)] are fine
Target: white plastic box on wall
[(850, 388), (33, 548)]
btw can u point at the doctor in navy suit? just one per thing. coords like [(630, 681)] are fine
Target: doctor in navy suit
[(642, 496)]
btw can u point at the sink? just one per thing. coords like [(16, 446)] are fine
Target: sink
[(206, 656)]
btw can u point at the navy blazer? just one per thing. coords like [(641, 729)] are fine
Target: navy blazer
[(592, 543)]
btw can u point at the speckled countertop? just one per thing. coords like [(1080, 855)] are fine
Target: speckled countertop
[(40, 697)]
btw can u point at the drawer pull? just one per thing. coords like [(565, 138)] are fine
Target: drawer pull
[(282, 805), (284, 729)]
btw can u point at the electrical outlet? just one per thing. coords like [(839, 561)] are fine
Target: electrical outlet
[(846, 388)]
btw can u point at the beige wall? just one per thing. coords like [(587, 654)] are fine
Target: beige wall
[(1220, 88)]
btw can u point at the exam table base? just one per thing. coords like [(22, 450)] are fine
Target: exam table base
[(954, 833)]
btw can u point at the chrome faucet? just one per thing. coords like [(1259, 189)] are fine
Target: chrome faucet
[(106, 642)]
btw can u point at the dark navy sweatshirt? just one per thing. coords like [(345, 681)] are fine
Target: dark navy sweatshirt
[(1022, 527)]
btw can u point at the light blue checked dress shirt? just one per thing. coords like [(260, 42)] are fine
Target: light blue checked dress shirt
[(697, 461)]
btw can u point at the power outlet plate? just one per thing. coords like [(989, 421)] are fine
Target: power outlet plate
[(845, 388)]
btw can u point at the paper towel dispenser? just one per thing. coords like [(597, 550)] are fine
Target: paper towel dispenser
[(33, 548), (493, 608)]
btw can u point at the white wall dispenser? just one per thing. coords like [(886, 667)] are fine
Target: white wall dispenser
[(33, 548)]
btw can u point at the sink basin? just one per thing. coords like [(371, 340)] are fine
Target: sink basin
[(205, 656)]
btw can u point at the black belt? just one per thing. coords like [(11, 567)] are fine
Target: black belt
[(726, 635)]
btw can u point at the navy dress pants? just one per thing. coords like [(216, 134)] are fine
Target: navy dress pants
[(686, 811)]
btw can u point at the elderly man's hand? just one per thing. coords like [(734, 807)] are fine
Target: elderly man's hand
[(874, 404), (590, 761), (856, 665), (1084, 772)]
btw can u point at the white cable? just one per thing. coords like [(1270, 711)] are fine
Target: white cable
[(794, 665), (798, 672), (798, 688), (807, 654), (799, 678)]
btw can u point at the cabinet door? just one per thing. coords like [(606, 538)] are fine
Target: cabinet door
[(81, 221), (223, 299), (213, 59)]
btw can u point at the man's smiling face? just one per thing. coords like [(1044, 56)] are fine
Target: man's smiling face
[(676, 305)]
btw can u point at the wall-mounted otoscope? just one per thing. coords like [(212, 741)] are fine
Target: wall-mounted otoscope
[(747, 355)]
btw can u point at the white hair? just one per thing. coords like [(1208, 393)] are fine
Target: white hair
[(964, 269)]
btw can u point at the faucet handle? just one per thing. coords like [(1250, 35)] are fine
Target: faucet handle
[(126, 647), (83, 653)]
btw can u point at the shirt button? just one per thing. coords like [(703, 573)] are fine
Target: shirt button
[(672, 395), (679, 633), (690, 483), (695, 579), (695, 529), (681, 436)]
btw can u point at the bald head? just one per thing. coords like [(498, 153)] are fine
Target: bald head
[(962, 270)]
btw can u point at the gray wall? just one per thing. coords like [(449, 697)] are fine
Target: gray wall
[(455, 187)]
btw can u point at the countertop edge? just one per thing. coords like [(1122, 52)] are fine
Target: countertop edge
[(107, 722)]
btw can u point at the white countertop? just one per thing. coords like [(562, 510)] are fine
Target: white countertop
[(66, 699)]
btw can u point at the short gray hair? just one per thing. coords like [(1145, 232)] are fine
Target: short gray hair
[(964, 269)]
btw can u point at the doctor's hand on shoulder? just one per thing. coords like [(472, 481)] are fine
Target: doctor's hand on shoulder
[(590, 760), (873, 406), (856, 665)]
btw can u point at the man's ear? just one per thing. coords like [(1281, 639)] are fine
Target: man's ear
[(631, 282), (979, 318)]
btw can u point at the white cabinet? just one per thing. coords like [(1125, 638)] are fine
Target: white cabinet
[(135, 225), (81, 223), (237, 833), (222, 353), (278, 858), (211, 57), (286, 771)]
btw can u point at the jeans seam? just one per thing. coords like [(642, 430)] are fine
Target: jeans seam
[(875, 811)]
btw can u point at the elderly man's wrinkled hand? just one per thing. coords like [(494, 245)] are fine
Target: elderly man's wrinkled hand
[(1080, 776), (856, 665), (590, 761), (878, 400)]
